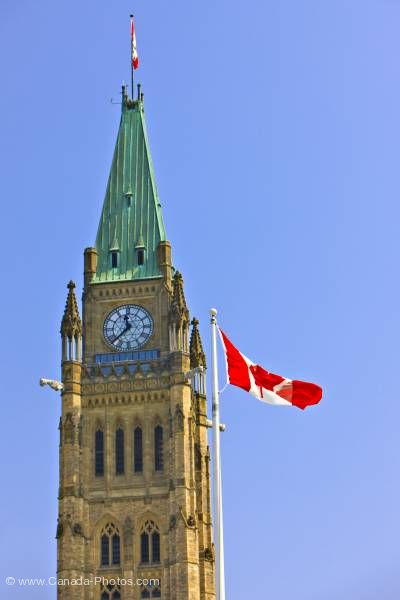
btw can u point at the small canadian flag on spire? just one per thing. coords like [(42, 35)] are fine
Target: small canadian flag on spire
[(135, 56)]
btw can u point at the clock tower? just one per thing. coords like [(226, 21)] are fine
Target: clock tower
[(134, 498)]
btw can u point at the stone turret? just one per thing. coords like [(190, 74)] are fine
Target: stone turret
[(71, 533), (71, 328), (197, 355), (178, 316), (197, 359)]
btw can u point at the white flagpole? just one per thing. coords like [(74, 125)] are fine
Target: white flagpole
[(217, 496)]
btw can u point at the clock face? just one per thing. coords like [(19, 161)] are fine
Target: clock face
[(127, 327)]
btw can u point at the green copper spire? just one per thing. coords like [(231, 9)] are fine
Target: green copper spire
[(131, 224)]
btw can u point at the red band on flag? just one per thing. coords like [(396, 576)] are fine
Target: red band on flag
[(305, 393), (238, 371)]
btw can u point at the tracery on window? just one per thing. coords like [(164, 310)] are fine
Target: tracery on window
[(110, 546), (150, 544), (151, 592), (112, 592)]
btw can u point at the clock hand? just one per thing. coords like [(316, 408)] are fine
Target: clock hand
[(128, 326)]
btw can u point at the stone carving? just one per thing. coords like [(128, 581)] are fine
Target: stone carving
[(172, 522), (128, 527), (69, 429), (179, 419), (60, 529), (138, 384), (208, 555), (77, 529), (189, 521), (197, 457), (128, 533), (67, 372)]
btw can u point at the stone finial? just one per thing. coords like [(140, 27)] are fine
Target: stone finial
[(197, 355), (71, 324), (179, 310)]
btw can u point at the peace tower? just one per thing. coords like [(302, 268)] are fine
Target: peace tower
[(134, 495)]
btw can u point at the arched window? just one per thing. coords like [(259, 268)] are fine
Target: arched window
[(114, 260), (110, 592), (137, 450), (119, 451), (151, 592), (158, 448), (110, 550), (99, 453), (150, 546)]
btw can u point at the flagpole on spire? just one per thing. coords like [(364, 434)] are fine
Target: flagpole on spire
[(132, 69), (217, 496), (134, 53)]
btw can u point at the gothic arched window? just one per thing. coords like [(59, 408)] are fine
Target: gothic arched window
[(119, 451), (99, 453), (110, 592), (158, 448), (137, 450), (110, 549), (150, 545), (114, 260), (150, 592)]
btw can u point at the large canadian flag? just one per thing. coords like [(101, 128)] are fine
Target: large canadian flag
[(264, 385)]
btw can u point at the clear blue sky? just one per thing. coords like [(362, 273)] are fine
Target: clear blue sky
[(275, 133)]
